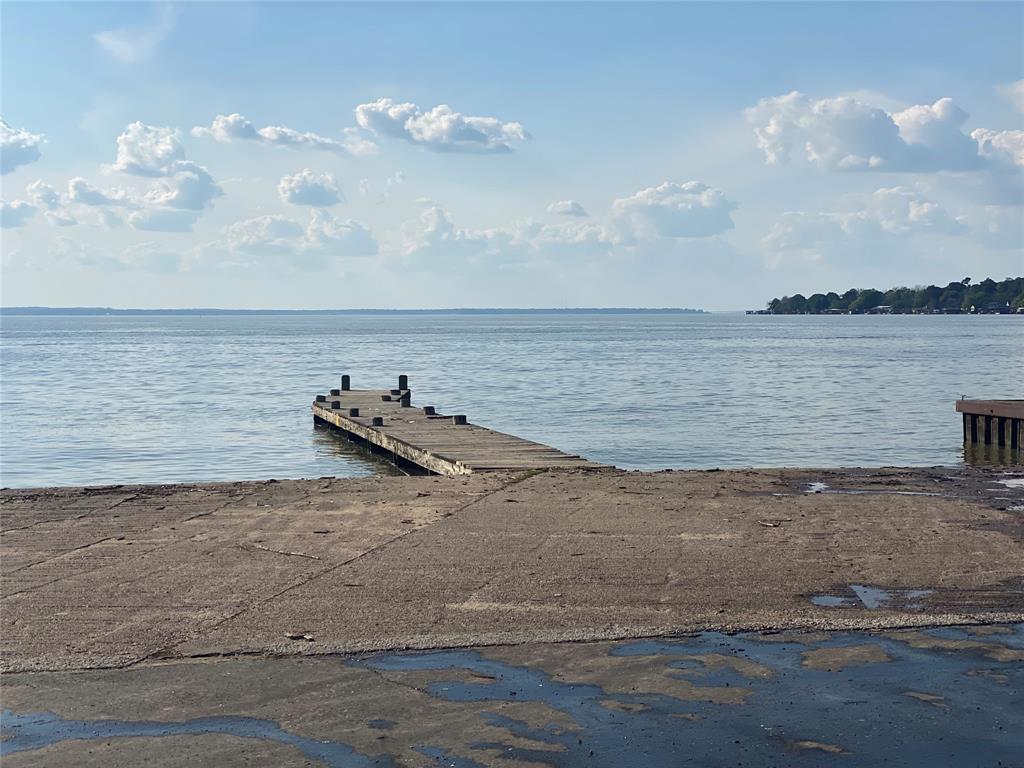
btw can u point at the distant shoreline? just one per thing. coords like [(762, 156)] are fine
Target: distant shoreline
[(101, 311)]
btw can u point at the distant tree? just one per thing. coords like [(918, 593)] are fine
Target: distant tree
[(959, 295), (817, 303), (867, 299)]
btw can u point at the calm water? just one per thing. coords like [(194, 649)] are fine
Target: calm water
[(91, 400)]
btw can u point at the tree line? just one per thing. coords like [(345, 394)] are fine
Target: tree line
[(988, 296)]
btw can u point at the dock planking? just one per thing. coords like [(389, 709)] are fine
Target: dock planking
[(385, 421)]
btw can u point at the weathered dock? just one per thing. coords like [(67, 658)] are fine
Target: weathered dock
[(993, 422), (385, 422)]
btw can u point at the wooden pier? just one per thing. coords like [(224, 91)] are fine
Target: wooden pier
[(385, 422), (993, 422)]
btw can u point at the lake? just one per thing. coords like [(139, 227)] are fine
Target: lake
[(162, 398)]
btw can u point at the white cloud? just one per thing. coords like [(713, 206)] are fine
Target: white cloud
[(308, 188), (235, 127), (1000, 146), (148, 150), (846, 134), (433, 237), (1013, 93), (17, 147), (43, 195), (173, 202), (440, 129), (307, 247), (888, 212), (674, 210), (568, 208), (82, 192), (15, 213), (61, 218), (135, 43), (188, 186)]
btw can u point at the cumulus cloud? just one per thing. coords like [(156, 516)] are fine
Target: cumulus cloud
[(305, 247), (889, 211), (82, 192), (1000, 146), (188, 186), (674, 210), (568, 208), (308, 188), (1013, 93), (43, 195), (17, 147), (15, 213), (235, 127), (846, 134), (440, 129), (138, 42), (148, 150), (433, 237), (183, 188)]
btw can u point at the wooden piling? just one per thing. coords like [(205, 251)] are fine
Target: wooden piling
[(993, 422)]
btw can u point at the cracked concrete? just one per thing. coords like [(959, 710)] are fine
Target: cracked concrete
[(201, 623), (107, 577)]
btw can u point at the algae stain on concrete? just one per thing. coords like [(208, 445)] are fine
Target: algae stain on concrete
[(837, 658)]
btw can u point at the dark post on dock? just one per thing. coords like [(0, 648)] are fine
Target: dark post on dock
[(422, 440), (993, 422)]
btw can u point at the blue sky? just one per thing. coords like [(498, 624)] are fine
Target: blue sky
[(618, 154)]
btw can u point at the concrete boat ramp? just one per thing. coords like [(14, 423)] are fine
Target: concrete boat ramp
[(561, 617)]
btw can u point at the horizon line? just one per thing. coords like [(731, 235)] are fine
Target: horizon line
[(39, 309)]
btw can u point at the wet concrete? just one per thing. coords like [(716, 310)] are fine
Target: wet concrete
[(934, 697), (563, 618)]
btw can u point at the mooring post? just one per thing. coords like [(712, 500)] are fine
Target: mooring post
[(321, 398), (377, 421), (403, 382), (335, 392), (428, 410), (460, 419), (335, 404), (346, 382), (406, 399), (353, 411), (386, 398)]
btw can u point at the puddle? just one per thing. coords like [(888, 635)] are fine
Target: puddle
[(35, 730), (861, 712), (817, 487), (1013, 482), (874, 598)]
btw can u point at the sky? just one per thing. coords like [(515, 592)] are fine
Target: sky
[(425, 155)]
